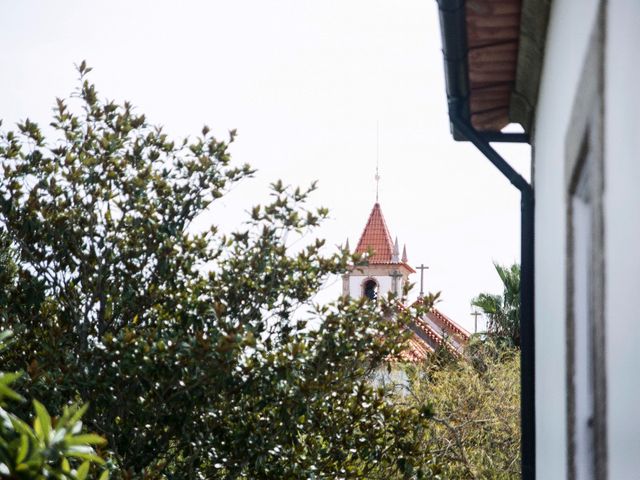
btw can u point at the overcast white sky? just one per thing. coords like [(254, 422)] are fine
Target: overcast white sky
[(305, 83)]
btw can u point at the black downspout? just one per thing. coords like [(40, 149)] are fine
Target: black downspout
[(527, 332)]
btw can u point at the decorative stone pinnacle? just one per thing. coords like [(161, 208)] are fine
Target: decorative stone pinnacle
[(396, 252)]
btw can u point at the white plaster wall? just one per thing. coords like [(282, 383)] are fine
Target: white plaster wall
[(570, 25), (355, 285), (622, 236)]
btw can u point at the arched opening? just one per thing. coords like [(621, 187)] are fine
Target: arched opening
[(371, 289)]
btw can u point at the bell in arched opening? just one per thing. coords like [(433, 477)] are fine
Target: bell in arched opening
[(371, 289)]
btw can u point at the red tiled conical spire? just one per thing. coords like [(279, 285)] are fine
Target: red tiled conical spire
[(376, 237)]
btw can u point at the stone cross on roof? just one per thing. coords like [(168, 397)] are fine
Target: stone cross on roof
[(422, 268)]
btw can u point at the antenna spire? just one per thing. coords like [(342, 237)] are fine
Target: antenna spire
[(377, 177)]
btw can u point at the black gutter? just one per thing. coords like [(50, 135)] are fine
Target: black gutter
[(527, 331), (454, 45), (505, 137)]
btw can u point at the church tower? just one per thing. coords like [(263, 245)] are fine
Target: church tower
[(385, 270)]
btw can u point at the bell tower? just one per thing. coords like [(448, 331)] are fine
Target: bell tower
[(383, 270)]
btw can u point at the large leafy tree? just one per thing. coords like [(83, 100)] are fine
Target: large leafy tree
[(201, 354), (503, 311)]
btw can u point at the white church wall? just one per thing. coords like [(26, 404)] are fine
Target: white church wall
[(568, 33), (355, 285), (622, 236)]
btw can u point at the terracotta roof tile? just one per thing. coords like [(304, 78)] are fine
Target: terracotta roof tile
[(447, 324), (430, 332), (417, 350), (376, 237)]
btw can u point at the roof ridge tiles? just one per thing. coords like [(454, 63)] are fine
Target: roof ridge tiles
[(451, 323)]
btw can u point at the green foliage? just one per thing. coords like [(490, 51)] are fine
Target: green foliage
[(52, 447), (201, 354), (503, 311), (474, 432)]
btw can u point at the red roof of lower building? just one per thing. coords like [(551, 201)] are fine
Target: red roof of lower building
[(431, 331)]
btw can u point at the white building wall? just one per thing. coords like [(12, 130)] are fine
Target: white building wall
[(355, 285), (570, 26), (622, 236)]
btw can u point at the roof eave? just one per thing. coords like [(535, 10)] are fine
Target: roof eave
[(453, 27)]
